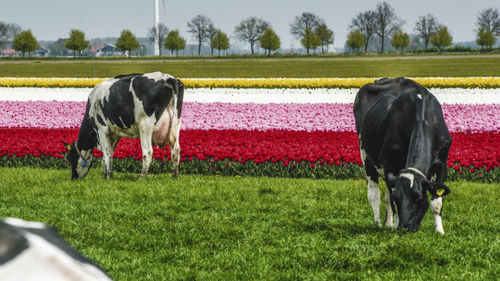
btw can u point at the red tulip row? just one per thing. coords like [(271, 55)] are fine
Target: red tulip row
[(469, 152)]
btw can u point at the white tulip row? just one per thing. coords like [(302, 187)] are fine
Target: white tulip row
[(230, 95)]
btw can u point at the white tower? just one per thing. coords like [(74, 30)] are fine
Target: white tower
[(157, 28)]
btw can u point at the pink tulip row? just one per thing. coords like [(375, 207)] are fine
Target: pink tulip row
[(244, 116)]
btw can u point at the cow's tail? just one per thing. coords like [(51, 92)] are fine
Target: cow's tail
[(178, 95), (179, 92)]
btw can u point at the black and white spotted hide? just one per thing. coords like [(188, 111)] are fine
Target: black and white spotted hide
[(403, 137), (146, 106), (32, 251)]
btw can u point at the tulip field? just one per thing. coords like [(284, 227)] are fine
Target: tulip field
[(271, 185), (267, 131)]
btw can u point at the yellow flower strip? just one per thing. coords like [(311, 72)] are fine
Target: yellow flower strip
[(51, 82), (444, 82)]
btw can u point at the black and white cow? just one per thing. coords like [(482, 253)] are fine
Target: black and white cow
[(403, 136), (35, 251), (146, 106)]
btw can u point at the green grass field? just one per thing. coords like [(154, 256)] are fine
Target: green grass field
[(263, 68), (227, 228)]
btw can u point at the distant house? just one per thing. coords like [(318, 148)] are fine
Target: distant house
[(42, 52), (8, 53), (103, 50)]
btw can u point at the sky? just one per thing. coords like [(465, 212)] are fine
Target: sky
[(53, 19)]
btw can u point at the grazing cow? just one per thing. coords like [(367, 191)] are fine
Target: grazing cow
[(403, 136), (146, 106), (35, 251)]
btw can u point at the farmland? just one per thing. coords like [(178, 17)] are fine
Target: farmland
[(270, 186), (263, 68)]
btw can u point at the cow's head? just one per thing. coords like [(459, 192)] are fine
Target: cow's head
[(409, 196), (80, 161)]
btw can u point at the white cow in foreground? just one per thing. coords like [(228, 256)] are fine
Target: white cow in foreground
[(35, 251)]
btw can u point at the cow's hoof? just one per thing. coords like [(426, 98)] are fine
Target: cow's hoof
[(175, 174), (440, 231)]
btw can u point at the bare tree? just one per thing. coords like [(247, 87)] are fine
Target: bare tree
[(305, 21), (7, 32), (250, 30), (13, 30), (490, 20), (366, 23), (386, 21), (162, 34), (304, 25), (427, 26), (4, 34), (199, 27), (211, 34)]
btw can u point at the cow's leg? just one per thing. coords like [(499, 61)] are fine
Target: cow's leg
[(391, 218), (146, 134), (438, 173), (175, 149), (107, 146), (437, 207), (372, 187)]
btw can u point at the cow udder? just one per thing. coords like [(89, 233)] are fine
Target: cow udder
[(162, 130)]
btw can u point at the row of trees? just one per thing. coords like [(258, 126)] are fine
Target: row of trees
[(381, 23), (308, 28), (384, 23), (252, 30)]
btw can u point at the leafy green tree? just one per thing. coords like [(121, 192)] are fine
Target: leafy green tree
[(25, 42), (76, 42), (325, 36), (356, 40), (427, 26), (310, 40), (220, 41), (250, 30), (441, 39), (127, 42), (57, 48), (485, 38), (174, 42), (400, 40), (304, 27), (270, 41)]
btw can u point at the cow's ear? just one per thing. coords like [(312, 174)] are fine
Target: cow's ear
[(438, 190), (390, 179), (179, 83)]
